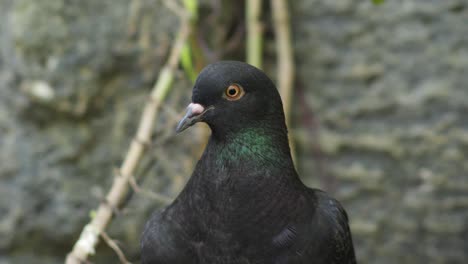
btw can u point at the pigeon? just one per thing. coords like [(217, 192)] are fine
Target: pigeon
[(244, 202)]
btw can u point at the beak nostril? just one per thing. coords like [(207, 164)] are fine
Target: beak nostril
[(195, 109)]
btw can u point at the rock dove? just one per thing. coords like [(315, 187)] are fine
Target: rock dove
[(244, 202)]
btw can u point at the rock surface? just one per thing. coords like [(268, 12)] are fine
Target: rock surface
[(380, 120), (388, 84)]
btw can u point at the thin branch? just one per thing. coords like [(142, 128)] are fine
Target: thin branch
[(176, 9), (89, 237), (111, 243), (285, 53), (254, 32), (153, 195), (133, 17)]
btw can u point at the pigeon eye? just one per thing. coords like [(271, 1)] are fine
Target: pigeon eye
[(234, 92)]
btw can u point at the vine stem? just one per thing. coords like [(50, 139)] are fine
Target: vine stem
[(254, 32), (285, 57)]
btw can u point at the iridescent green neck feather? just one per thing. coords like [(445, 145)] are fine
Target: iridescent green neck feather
[(254, 144)]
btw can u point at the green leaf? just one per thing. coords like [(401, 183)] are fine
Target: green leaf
[(191, 6), (378, 2), (187, 63), (92, 214)]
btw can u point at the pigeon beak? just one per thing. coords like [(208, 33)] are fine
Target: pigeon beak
[(193, 115)]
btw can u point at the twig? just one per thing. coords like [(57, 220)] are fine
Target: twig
[(153, 195), (234, 41), (254, 32), (89, 237), (285, 60), (133, 17), (111, 243), (176, 9)]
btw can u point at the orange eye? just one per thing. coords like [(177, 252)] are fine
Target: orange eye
[(234, 92)]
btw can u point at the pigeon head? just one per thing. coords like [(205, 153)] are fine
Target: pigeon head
[(230, 96)]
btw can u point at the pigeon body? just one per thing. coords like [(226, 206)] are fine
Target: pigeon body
[(244, 202)]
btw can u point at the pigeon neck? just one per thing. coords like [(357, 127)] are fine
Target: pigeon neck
[(252, 166), (253, 144)]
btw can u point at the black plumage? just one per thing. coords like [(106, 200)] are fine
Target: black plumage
[(244, 202)]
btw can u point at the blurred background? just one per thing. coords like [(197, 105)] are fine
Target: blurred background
[(379, 117)]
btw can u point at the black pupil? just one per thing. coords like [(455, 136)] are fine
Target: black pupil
[(232, 91)]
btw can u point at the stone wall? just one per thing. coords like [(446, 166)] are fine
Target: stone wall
[(388, 87)]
